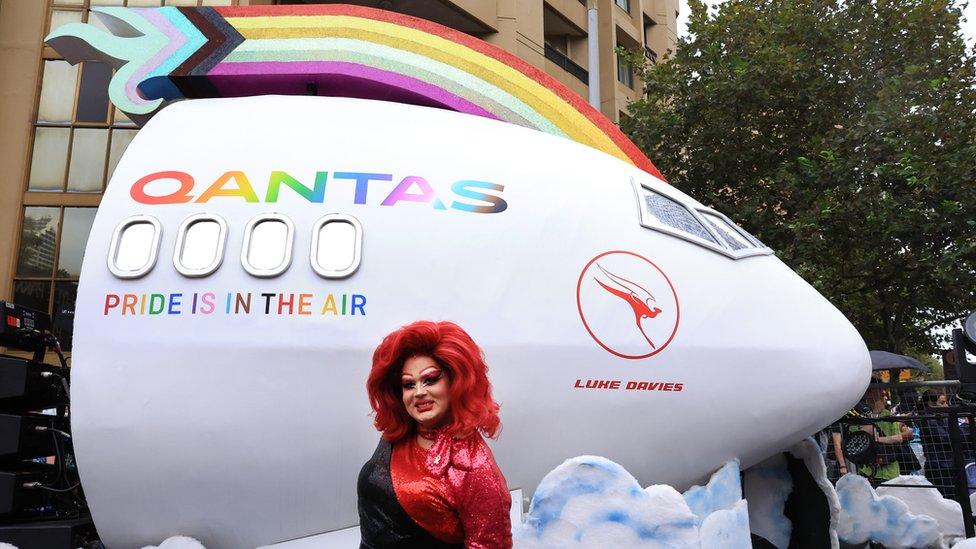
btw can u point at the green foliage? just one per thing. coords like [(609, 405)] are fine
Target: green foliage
[(843, 134), (935, 372)]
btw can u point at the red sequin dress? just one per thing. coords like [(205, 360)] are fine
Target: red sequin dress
[(454, 490)]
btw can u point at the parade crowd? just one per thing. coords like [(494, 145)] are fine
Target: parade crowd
[(911, 437)]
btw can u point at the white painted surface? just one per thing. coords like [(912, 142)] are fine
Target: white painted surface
[(245, 430)]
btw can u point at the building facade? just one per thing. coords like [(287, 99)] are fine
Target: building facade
[(62, 138)]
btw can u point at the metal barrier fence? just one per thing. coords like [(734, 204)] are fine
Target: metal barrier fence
[(914, 428)]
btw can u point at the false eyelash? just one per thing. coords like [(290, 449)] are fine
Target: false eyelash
[(432, 379)]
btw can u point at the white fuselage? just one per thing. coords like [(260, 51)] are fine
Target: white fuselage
[(247, 428)]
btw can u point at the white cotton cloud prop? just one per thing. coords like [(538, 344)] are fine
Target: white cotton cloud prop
[(590, 501), (809, 451), (723, 491), (727, 528), (766, 486), (926, 500), (178, 542), (7, 546), (966, 544), (865, 516)]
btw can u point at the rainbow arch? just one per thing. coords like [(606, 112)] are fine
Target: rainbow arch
[(171, 53)]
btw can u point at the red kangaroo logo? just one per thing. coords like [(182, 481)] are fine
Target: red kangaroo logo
[(639, 299)]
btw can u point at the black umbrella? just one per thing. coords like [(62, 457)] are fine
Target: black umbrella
[(883, 360)]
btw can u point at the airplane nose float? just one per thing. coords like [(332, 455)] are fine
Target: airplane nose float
[(287, 235)]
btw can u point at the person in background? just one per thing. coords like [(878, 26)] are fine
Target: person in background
[(833, 446), (832, 441), (917, 449), (910, 404), (887, 434), (937, 445)]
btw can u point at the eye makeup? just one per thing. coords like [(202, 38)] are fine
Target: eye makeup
[(431, 377), (428, 377)]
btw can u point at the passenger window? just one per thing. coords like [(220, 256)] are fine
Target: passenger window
[(268, 240), (134, 246), (200, 245), (734, 237), (337, 244), (671, 213)]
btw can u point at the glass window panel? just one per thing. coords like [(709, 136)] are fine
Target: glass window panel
[(69, 2), (217, 2), (624, 73), (729, 234), (180, 2), (267, 248), (48, 160), (120, 140), (74, 235), (200, 245), (57, 92), (87, 160), (671, 213), (135, 247), (120, 119), (106, 2), (32, 293), (38, 237), (63, 315), (337, 246), (749, 238), (93, 92), (144, 3), (62, 17)]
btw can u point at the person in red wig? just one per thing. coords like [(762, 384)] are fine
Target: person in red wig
[(432, 482)]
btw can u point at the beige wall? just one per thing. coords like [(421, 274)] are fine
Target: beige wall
[(22, 24), (485, 11), (520, 30), (663, 35), (506, 21), (567, 79), (531, 43)]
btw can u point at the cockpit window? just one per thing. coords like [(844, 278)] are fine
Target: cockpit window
[(733, 237), (671, 213), (134, 246), (694, 223), (337, 243), (200, 245), (268, 240)]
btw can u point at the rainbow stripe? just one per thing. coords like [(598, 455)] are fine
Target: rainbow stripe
[(343, 50)]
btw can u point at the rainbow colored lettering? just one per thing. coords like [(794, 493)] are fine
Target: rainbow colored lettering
[(469, 195), (213, 303)]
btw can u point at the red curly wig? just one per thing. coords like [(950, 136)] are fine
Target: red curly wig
[(472, 406)]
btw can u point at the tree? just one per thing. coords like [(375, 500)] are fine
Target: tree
[(936, 371), (843, 134)]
